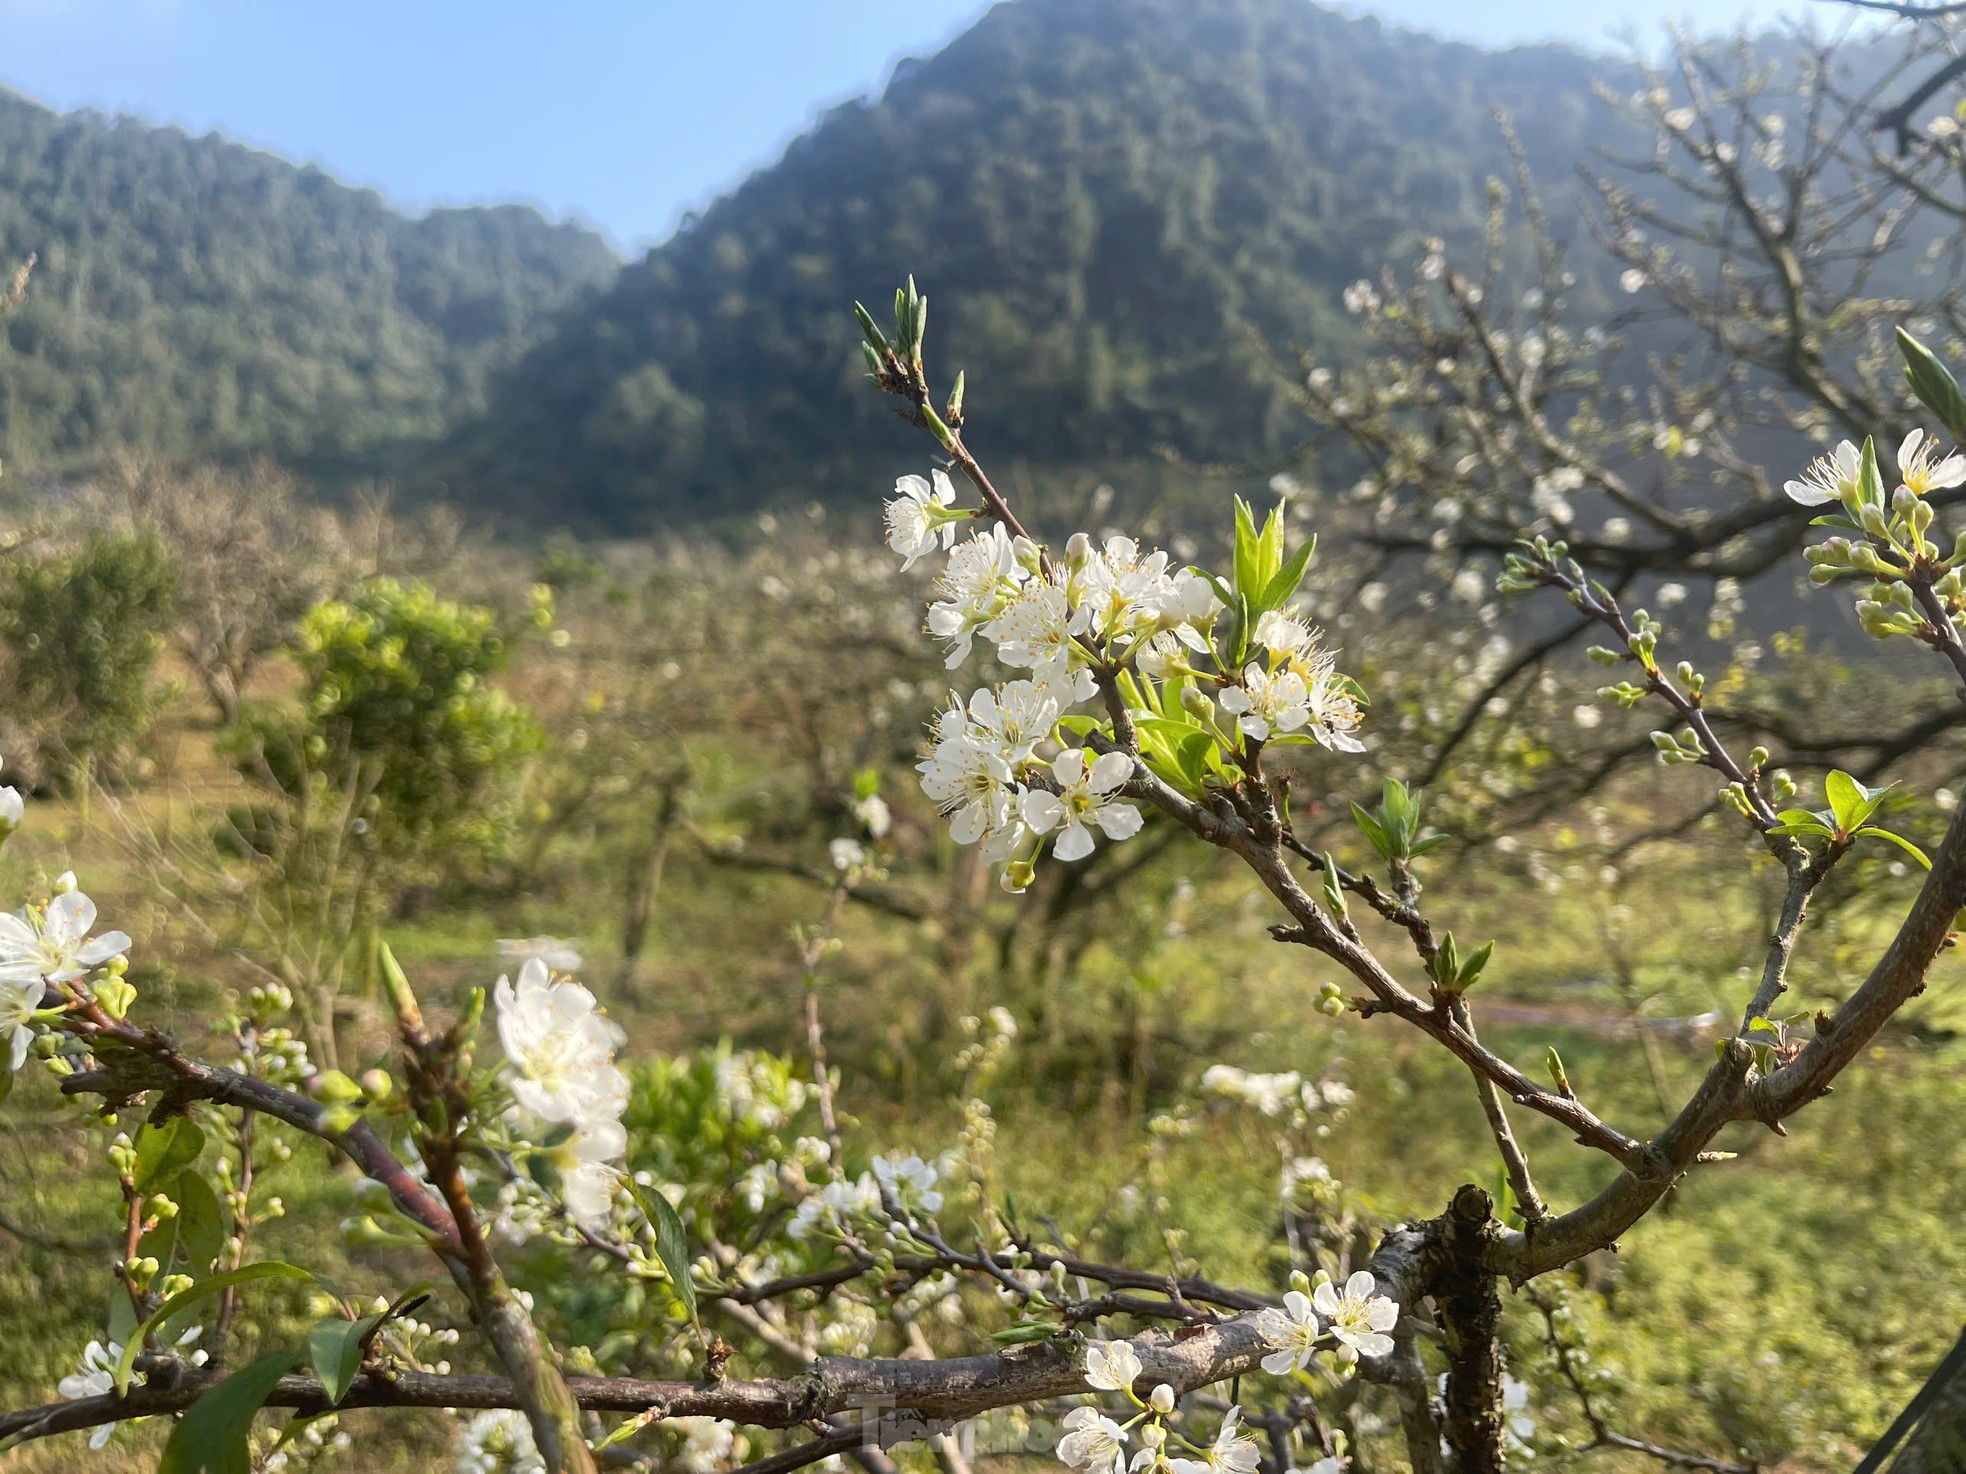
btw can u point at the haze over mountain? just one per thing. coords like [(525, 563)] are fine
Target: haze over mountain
[(1113, 204)]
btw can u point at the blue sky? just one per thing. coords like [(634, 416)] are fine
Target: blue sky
[(621, 113)]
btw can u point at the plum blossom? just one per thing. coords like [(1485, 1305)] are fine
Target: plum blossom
[(1014, 719), (498, 1441), (969, 781), (981, 575), (1034, 631), (1283, 634), (1233, 1452), (54, 945), (1829, 478), (561, 1049), (1113, 1367), (838, 1200), (920, 518), (1085, 791), (96, 1379), (1923, 470), (1093, 1442), (911, 1180), (18, 1001), (12, 810), (874, 814), (1267, 703), (1358, 1318), (1329, 699), (1293, 1330), (589, 1178)]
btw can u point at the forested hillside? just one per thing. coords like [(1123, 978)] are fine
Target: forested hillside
[(193, 297), (1111, 202)]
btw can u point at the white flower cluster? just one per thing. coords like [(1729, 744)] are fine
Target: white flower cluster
[(498, 1441), (1356, 1319), (43, 947), (561, 1050), (908, 1179), (1008, 766)]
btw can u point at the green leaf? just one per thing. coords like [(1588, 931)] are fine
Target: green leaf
[(1286, 580), (1372, 830), (1846, 796), (166, 1150), (1248, 557), (1269, 551), (1870, 483), (1813, 828), (1934, 384), (335, 1348), (211, 1437), (1471, 968), (266, 1269), (671, 1242), (1900, 841)]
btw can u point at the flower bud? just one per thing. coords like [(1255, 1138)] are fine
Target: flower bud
[(1153, 1435), (1161, 1399), (1078, 548), (65, 882)]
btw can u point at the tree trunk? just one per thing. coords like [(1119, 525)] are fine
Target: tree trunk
[(1938, 1444)]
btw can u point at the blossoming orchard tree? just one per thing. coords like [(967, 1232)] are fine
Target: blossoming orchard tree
[(1150, 693)]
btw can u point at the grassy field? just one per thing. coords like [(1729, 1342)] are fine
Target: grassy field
[(1765, 1309)]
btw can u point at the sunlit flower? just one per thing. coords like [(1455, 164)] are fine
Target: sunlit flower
[(1333, 711), (911, 1180), (561, 1049), (1233, 1452), (846, 854), (17, 1004), (1034, 630), (1358, 1318), (12, 810), (1829, 478), (498, 1441), (1923, 469), (589, 1179), (1282, 634), (982, 572), (1013, 719), (54, 944), (1112, 1367), (969, 782), (1267, 703), (919, 517), (1293, 1330), (1084, 792), (1093, 1442), (96, 1379)]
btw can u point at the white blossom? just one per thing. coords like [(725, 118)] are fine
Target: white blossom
[(911, 1180), (1093, 1442), (96, 1379), (1034, 631), (1085, 792), (498, 1441), (846, 854), (561, 1049), (1923, 469), (1112, 1367), (981, 574), (17, 1004), (1266, 702), (1293, 1330), (1358, 1318), (1828, 478), (1361, 296), (1013, 719), (919, 517), (1233, 1452), (54, 945), (873, 812), (969, 781)]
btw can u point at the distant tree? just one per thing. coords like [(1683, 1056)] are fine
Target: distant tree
[(81, 629)]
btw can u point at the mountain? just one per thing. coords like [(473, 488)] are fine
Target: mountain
[(1113, 205), (193, 297)]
